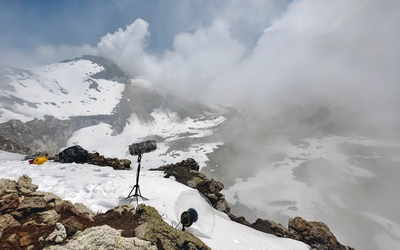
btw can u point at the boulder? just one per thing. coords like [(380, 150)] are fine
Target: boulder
[(49, 217), (9, 203), (315, 234), (7, 220), (72, 225), (187, 173), (154, 229), (7, 187), (117, 164), (78, 154), (25, 186), (78, 210), (271, 227), (103, 237), (32, 204), (58, 235)]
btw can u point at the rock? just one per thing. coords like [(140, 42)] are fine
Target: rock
[(315, 234), (7, 186), (12, 239), (8, 221), (35, 136), (78, 210), (271, 227), (9, 203), (127, 208), (47, 196), (83, 210), (32, 204), (127, 163), (186, 172), (25, 186), (59, 234), (153, 228), (49, 217), (25, 239), (79, 155), (103, 237), (72, 225), (100, 160)]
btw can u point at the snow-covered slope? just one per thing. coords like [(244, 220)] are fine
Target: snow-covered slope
[(102, 188), (62, 89), (349, 183), (177, 139)]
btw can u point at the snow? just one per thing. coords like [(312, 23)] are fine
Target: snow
[(166, 125), (63, 90), (102, 188)]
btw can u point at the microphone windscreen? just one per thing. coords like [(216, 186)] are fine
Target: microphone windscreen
[(142, 147)]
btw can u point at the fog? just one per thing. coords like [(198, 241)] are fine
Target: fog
[(319, 67), (338, 55), (294, 70)]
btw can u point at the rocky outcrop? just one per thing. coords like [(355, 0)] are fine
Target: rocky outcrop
[(37, 135), (79, 155), (315, 234), (30, 219), (103, 237), (153, 228), (187, 173)]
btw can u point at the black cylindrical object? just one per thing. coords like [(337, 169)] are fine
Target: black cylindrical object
[(189, 217), (142, 147)]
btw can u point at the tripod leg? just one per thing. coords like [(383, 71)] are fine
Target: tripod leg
[(136, 187)]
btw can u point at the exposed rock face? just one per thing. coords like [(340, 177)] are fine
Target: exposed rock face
[(103, 237), (152, 228), (41, 220), (47, 135), (187, 173), (36, 135), (315, 234)]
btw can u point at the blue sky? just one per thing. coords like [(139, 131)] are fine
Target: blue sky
[(257, 53), (28, 24), (73, 22)]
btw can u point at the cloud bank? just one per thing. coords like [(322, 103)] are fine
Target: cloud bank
[(325, 53), (267, 56)]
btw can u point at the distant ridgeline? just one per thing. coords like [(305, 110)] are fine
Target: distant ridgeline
[(51, 133)]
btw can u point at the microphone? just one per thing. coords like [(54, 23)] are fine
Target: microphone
[(188, 218), (142, 147)]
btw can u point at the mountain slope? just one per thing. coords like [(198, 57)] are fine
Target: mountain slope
[(311, 162), (62, 90)]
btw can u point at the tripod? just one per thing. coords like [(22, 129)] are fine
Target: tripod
[(137, 193)]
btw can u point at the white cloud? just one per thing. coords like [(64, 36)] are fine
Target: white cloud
[(318, 52), (127, 48)]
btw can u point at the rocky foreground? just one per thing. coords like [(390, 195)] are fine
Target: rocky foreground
[(30, 219)]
